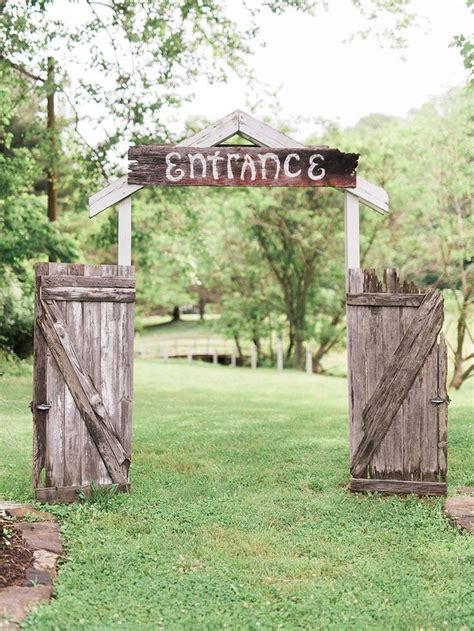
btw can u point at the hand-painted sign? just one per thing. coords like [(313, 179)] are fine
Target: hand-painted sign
[(241, 166)]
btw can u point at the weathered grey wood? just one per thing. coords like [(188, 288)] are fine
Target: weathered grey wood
[(125, 368), (56, 393), (398, 486), (39, 385), (384, 300), (241, 166), (355, 361), (70, 455), (69, 494), (94, 469), (73, 425), (83, 390), (398, 377), (387, 461), (442, 410), (412, 447), (105, 282), (429, 418), (88, 294), (110, 357)]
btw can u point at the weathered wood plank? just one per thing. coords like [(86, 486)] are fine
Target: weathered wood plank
[(398, 486), (355, 361), (387, 461), (39, 384), (126, 370), (85, 395), (241, 166), (106, 282), (110, 357), (69, 494), (73, 425), (429, 418), (398, 378), (442, 410), (384, 299), (94, 469), (89, 294), (56, 390)]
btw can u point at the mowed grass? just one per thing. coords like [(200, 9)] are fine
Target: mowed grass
[(239, 517)]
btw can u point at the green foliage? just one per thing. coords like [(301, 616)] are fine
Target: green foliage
[(238, 515), (26, 236)]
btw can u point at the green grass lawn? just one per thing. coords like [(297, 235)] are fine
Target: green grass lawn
[(239, 518)]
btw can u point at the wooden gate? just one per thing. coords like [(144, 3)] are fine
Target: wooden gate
[(83, 365), (397, 386)]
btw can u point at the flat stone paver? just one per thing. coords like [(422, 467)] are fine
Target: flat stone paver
[(42, 536), (16, 601), (460, 511)]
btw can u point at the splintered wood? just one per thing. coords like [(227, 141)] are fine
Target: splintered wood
[(397, 386), (82, 378)]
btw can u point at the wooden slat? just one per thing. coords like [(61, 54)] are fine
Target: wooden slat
[(39, 384), (355, 362), (126, 370), (398, 377), (105, 282), (110, 359), (73, 425), (442, 410), (398, 486), (387, 461), (85, 395), (94, 469), (56, 391), (89, 294), (384, 299), (69, 494)]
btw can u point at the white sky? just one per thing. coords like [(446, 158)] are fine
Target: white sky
[(319, 76), (316, 75)]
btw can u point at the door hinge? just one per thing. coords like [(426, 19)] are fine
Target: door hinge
[(437, 400), (44, 407)]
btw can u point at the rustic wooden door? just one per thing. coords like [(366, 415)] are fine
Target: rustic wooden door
[(83, 372), (397, 386)]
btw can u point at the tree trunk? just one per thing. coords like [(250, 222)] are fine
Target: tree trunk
[(176, 314), (239, 350), (201, 307), (51, 126), (460, 375)]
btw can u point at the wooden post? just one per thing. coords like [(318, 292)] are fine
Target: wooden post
[(125, 232), (165, 351), (214, 357), (253, 356), (233, 359), (351, 225), (190, 355), (309, 360), (279, 354)]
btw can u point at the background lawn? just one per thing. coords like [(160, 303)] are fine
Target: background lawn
[(239, 517)]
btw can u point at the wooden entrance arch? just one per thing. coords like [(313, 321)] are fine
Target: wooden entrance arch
[(68, 369)]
